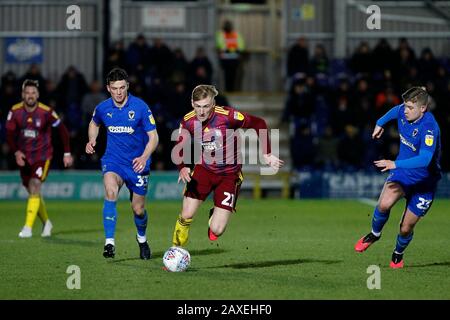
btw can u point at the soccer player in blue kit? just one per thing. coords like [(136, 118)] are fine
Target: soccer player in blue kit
[(413, 175), (131, 139)]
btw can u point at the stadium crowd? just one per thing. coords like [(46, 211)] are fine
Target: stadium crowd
[(331, 104)]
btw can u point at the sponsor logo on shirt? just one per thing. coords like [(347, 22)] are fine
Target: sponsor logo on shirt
[(209, 146), (407, 143), (120, 129), (30, 133)]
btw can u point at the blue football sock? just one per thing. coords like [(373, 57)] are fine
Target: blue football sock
[(403, 242), (141, 223), (109, 218), (378, 220)]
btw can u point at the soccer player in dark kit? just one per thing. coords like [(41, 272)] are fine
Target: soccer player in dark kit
[(28, 128), (221, 174)]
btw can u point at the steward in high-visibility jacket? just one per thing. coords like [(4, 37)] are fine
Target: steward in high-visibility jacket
[(229, 42), (230, 45)]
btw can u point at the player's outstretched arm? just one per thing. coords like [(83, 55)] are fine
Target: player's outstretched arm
[(92, 134), (392, 114), (377, 132)]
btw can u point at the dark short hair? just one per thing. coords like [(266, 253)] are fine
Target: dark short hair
[(116, 74), (416, 94), (30, 83)]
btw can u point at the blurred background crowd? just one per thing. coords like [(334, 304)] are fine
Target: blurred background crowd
[(331, 105)]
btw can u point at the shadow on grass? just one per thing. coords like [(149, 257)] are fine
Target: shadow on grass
[(160, 254), (435, 264), (77, 231), (266, 264), (75, 242)]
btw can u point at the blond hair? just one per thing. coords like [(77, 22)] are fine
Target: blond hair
[(204, 91)]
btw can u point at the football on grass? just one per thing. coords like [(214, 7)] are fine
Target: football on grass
[(176, 259)]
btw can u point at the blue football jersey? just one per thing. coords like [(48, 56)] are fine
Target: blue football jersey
[(418, 135), (126, 129)]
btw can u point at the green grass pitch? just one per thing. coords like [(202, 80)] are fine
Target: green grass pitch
[(272, 249)]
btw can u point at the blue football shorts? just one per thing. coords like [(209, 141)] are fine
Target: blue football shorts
[(135, 182), (419, 194)]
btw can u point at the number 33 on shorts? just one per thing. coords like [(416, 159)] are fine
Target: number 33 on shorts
[(142, 181)]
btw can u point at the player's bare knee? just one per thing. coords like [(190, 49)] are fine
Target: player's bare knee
[(187, 214), (34, 187), (111, 194), (138, 209), (406, 229), (384, 206)]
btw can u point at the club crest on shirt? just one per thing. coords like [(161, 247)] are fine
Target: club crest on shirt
[(415, 132), (131, 115), (238, 116), (429, 139), (38, 123), (152, 120)]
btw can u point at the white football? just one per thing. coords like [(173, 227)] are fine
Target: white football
[(176, 259)]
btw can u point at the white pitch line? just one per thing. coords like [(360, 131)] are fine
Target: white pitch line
[(369, 202)]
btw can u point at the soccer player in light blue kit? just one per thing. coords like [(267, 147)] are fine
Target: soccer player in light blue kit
[(413, 175), (131, 139)]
